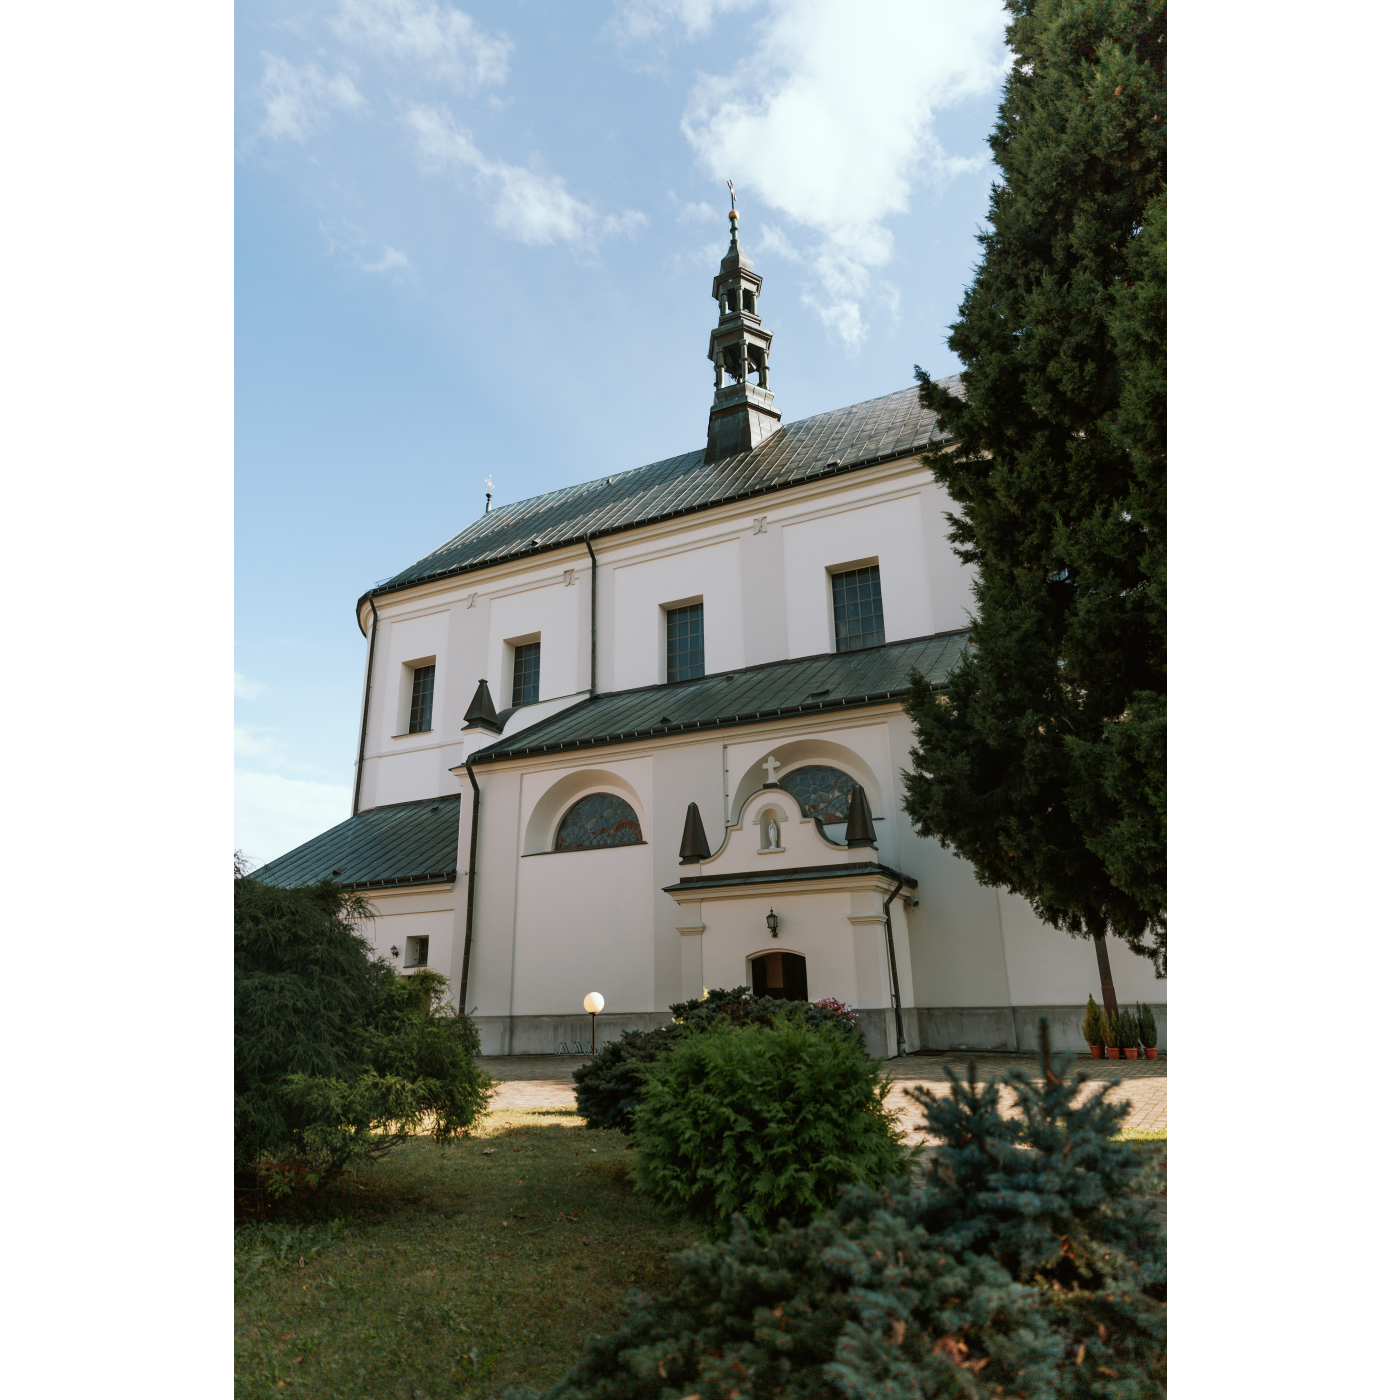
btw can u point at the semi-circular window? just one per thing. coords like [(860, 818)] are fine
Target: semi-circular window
[(600, 819), (821, 792)]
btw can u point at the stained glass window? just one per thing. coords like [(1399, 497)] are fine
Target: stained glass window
[(600, 819), (859, 609), (525, 689), (420, 712), (821, 792), (685, 642)]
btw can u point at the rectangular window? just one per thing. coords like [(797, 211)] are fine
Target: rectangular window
[(685, 642), (417, 953), (420, 710), (525, 686), (859, 611)]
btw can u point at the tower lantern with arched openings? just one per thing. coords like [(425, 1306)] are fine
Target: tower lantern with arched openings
[(743, 413)]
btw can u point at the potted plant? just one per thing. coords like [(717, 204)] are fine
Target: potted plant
[(1093, 1028), (1147, 1030), (1110, 1034), (1128, 1035)]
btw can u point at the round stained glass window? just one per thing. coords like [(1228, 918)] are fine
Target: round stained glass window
[(824, 793), (600, 819)]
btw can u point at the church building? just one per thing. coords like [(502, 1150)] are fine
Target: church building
[(643, 736)]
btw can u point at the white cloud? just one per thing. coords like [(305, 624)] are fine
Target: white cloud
[(273, 815), (772, 239), (256, 741), (696, 213), (831, 122), (297, 100), (444, 41), (532, 206), (245, 688), (650, 19), (392, 258)]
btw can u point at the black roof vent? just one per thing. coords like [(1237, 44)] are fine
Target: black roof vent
[(481, 711), (694, 846), (860, 825), (833, 461)]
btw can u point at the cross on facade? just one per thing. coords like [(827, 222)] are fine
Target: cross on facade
[(770, 765)]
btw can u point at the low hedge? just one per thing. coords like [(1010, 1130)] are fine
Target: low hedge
[(609, 1085), (770, 1121)]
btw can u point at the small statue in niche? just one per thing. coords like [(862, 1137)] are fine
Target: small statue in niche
[(772, 834)]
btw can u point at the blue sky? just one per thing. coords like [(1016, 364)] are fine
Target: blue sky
[(478, 241)]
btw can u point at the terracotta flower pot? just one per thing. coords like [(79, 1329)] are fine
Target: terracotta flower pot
[(1150, 1051), (1130, 1052), (1111, 1051), (1096, 1051)]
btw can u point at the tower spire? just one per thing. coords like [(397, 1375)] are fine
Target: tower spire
[(742, 414)]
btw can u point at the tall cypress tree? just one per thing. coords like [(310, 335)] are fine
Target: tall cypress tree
[(1044, 761)]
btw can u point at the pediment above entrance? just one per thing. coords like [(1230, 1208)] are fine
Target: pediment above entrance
[(772, 833)]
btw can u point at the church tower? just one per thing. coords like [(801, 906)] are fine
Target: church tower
[(742, 414)]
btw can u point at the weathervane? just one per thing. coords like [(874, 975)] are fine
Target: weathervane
[(733, 208), (488, 495)]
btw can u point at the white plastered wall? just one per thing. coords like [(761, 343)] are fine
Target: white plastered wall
[(403, 767), (415, 913), (583, 918), (890, 531), (642, 590), (1049, 967), (550, 611)]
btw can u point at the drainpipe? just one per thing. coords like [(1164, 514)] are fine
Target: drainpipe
[(471, 891), (364, 717), (593, 603), (894, 970)]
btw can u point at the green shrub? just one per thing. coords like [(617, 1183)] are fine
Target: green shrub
[(336, 1056), (1127, 1029), (1093, 1023), (1112, 1029), (608, 1086), (1025, 1263), (766, 1120), (1147, 1025)]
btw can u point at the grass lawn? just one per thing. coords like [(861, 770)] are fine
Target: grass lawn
[(453, 1271)]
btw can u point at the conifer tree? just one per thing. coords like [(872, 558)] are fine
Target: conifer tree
[(1044, 761)]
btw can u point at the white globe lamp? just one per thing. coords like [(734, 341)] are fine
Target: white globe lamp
[(593, 1004)]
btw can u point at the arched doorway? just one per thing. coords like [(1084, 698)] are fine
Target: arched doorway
[(779, 975)]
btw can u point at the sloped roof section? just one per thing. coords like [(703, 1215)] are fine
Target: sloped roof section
[(812, 684), (409, 843), (827, 444)]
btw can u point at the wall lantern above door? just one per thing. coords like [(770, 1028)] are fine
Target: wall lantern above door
[(772, 922)]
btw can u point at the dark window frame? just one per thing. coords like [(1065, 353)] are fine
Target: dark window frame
[(525, 674), (420, 705), (858, 608), (685, 642)]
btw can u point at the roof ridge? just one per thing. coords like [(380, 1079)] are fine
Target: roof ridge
[(845, 439)]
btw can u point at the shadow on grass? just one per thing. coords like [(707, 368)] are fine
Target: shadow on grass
[(448, 1271)]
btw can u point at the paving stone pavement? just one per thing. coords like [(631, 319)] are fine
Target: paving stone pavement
[(546, 1081)]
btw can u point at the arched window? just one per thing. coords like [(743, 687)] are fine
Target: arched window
[(821, 792), (600, 819)]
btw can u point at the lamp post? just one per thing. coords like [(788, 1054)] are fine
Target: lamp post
[(593, 1004), (772, 922)]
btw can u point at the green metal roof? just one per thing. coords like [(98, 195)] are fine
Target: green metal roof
[(408, 843), (827, 444), (814, 683), (771, 877)]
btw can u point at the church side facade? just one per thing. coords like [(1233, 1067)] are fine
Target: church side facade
[(644, 737)]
